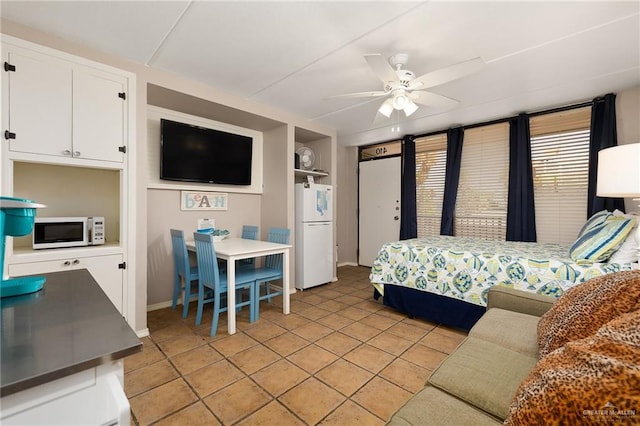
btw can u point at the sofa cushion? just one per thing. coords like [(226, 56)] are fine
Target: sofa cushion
[(583, 309), (511, 330), (483, 374), (431, 406), (592, 380), (515, 300)]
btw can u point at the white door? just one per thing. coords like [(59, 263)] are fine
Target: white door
[(39, 105), (314, 254), (98, 117), (379, 206), (314, 202)]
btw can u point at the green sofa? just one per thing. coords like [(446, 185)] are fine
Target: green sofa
[(476, 384)]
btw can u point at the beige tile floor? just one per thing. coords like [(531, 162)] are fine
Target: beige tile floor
[(339, 358)]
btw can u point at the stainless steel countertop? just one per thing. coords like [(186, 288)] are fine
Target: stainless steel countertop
[(68, 326)]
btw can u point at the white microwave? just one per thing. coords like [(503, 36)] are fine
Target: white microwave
[(56, 232)]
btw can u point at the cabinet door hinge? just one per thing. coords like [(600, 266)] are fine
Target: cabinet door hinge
[(122, 265), (122, 95), (122, 149), (9, 67), (9, 135)]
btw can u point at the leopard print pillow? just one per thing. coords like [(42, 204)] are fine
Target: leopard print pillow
[(583, 309), (595, 380)]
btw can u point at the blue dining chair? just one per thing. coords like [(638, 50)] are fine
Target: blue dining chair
[(272, 269), (184, 274), (214, 283), (249, 232)]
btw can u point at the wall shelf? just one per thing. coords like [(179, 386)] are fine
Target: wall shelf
[(301, 172)]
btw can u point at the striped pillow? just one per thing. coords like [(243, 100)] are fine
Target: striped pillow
[(599, 242), (595, 220)]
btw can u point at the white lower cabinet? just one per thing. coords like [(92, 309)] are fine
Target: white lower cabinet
[(91, 397), (106, 270)]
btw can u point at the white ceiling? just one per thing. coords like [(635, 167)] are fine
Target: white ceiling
[(294, 55)]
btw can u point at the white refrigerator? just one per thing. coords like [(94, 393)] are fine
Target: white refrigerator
[(314, 247)]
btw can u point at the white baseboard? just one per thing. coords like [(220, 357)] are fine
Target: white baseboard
[(142, 333), (161, 305), (347, 264)]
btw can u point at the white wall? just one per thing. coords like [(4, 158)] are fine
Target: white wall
[(628, 126), (164, 214), (347, 221)]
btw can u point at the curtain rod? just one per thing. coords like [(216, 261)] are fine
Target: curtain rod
[(502, 120)]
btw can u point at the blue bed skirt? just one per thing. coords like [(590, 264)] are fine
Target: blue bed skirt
[(431, 307)]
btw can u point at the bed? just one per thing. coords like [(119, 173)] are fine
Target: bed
[(446, 279)]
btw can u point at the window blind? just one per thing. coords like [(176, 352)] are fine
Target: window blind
[(431, 161), (481, 204), (560, 157)]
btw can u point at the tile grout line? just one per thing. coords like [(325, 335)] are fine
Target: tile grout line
[(332, 295)]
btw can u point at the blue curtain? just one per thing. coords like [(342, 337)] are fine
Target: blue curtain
[(452, 178), (521, 218), (603, 135), (408, 211)]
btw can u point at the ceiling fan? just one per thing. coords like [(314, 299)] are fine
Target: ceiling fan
[(404, 90)]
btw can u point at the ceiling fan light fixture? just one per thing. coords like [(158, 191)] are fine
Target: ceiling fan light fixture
[(386, 108), (399, 85), (410, 108), (400, 100)]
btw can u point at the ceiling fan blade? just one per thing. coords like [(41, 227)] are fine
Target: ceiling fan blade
[(445, 75), (381, 67), (372, 94), (431, 99)]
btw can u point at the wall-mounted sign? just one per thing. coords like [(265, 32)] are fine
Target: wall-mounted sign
[(381, 150), (203, 200)]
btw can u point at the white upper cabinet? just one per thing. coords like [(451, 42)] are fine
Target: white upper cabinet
[(39, 105), (98, 117), (64, 109)]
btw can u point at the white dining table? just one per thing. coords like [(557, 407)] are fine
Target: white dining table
[(232, 249)]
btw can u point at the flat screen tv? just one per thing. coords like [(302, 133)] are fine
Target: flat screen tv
[(196, 154)]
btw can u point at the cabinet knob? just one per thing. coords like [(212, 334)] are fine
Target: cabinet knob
[(66, 263), (76, 261), (76, 153), (66, 152)]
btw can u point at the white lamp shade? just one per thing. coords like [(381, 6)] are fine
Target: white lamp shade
[(619, 171), (410, 108), (386, 108)]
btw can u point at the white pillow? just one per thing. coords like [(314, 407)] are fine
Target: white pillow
[(629, 251)]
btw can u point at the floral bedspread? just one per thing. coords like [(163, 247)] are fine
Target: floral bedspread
[(465, 268)]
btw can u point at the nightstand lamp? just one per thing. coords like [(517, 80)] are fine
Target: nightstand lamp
[(619, 172)]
